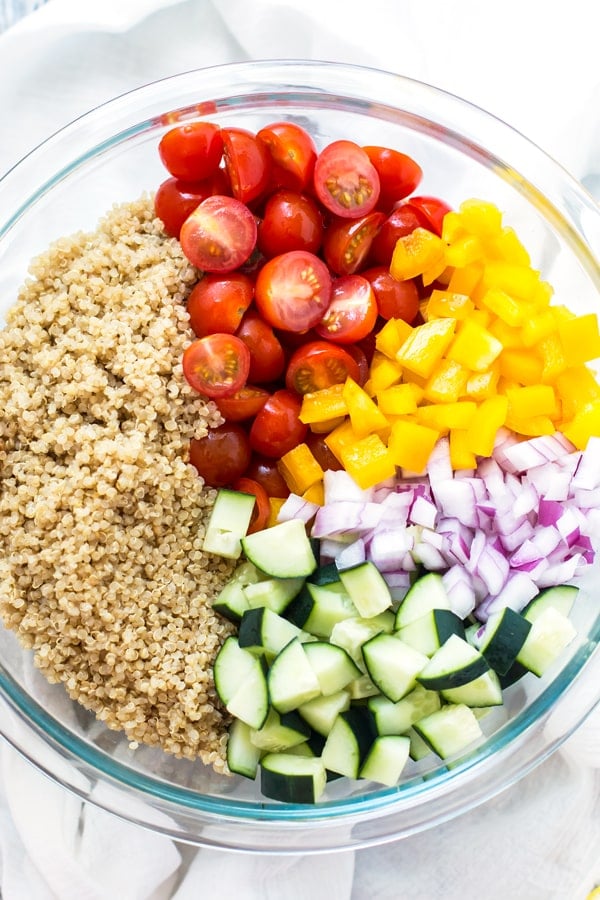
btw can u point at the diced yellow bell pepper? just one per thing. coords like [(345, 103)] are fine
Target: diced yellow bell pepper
[(444, 416), (481, 385), (416, 253), (517, 280), (542, 295), (326, 425), (537, 327), (315, 493), (299, 468), (533, 426), (364, 414), (461, 456), (576, 388), (481, 217), (464, 251), (474, 347), (390, 338), (550, 351), (533, 400), (319, 406), (584, 425), (383, 372), (465, 281), (511, 311), (453, 227), (521, 366), (447, 304), (399, 400), (341, 437), (510, 338), (410, 444), (368, 461), (580, 339), (446, 383), (508, 247), (275, 504), (489, 417), (425, 346)]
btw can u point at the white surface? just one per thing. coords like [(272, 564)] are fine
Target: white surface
[(534, 65)]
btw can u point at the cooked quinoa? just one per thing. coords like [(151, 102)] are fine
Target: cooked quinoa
[(101, 517)]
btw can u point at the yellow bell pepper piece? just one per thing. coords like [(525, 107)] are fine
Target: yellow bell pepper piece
[(461, 456), (533, 400), (364, 414), (275, 504), (552, 355), (481, 217), (584, 425), (481, 385), (326, 425), (580, 339), (464, 251), (299, 469), (576, 388), (319, 406), (448, 304), (537, 327), (390, 338), (474, 347), (315, 494), (368, 461), (446, 383), (521, 366), (465, 281), (444, 416), (415, 253), (534, 426), (383, 372), (516, 280), (399, 400), (501, 304), (341, 437), (489, 417), (410, 444), (510, 338), (425, 346)]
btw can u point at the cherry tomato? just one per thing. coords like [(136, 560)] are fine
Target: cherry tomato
[(293, 152), (222, 455), (293, 290), (247, 162), (267, 359), (218, 302), (345, 180), (399, 174), (262, 507), (400, 222), (175, 199), (265, 471), (317, 365), (290, 221), (192, 151), (395, 299), (347, 242), (277, 428), (360, 358), (321, 452), (219, 235), (244, 404), (432, 211), (352, 313), (216, 365)]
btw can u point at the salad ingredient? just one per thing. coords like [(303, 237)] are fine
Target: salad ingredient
[(293, 154), (261, 510), (175, 199), (292, 778), (217, 303), (192, 151), (319, 364), (247, 163), (217, 365), (243, 404), (348, 242), (228, 523), (220, 235), (290, 221), (277, 428), (222, 455), (293, 290), (264, 549), (267, 357), (399, 174), (352, 311), (345, 180)]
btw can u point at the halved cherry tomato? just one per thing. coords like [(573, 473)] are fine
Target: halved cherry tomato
[(218, 302), (293, 152), (399, 174), (395, 299), (293, 290), (345, 180), (317, 365), (277, 428), (192, 151), (216, 365), (360, 358), (219, 235), (321, 452), (267, 359), (432, 211), (244, 404), (347, 242), (401, 221), (262, 507), (222, 455), (265, 471), (247, 162), (352, 313), (175, 199), (290, 221)]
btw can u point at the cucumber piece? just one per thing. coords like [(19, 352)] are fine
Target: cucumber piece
[(228, 523), (349, 741), (232, 666), (263, 632), (352, 633), (562, 597), (454, 664), (280, 732), (292, 778), (282, 551), (231, 602), (429, 632), (501, 639), (392, 665), (367, 589), (361, 688), (481, 692), (386, 759), (514, 674), (327, 574), (551, 633), (250, 703), (397, 718), (318, 608), (292, 680), (332, 665), (449, 730), (427, 593), (242, 756), (274, 593), (419, 749), (322, 712)]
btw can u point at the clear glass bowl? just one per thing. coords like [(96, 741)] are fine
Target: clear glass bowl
[(110, 155)]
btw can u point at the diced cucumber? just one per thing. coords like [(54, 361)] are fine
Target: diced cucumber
[(317, 608), (454, 664), (232, 666), (514, 674), (292, 778), (263, 632), (449, 730), (483, 691), (397, 718), (419, 749), (352, 633), (361, 688), (282, 551), (292, 680), (386, 759), (429, 632), (250, 702), (427, 593), (228, 523), (274, 593), (326, 574), (322, 712), (332, 665), (551, 633), (367, 589), (242, 756), (392, 665), (562, 597), (280, 732), (349, 741), (231, 602), (501, 639)]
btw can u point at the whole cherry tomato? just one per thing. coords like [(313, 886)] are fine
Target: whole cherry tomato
[(293, 153), (395, 299), (293, 290), (352, 313), (401, 221), (264, 470), (267, 359), (262, 507), (222, 455), (290, 221), (175, 199), (219, 235), (218, 302), (321, 452), (192, 151), (216, 365), (277, 427), (432, 211), (247, 162), (345, 180), (317, 365), (399, 174), (347, 242)]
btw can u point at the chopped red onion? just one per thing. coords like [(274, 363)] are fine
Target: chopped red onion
[(295, 507)]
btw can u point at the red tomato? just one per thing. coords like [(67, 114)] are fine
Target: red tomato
[(432, 211), (293, 290), (276, 428), (360, 358), (262, 507), (399, 174), (395, 299), (222, 455), (400, 222), (317, 365), (352, 313), (175, 199), (267, 359), (216, 365), (347, 242), (244, 404), (321, 452), (345, 180), (218, 302), (247, 162), (193, 151), (293, 153), (290, 221), (219, 235), (265, 471)]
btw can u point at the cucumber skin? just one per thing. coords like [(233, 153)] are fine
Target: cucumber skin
[(292, 788)]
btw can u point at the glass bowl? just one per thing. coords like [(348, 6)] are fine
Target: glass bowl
[(110, 155)]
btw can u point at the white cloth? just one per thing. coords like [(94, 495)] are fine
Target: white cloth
[(534, 65)]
